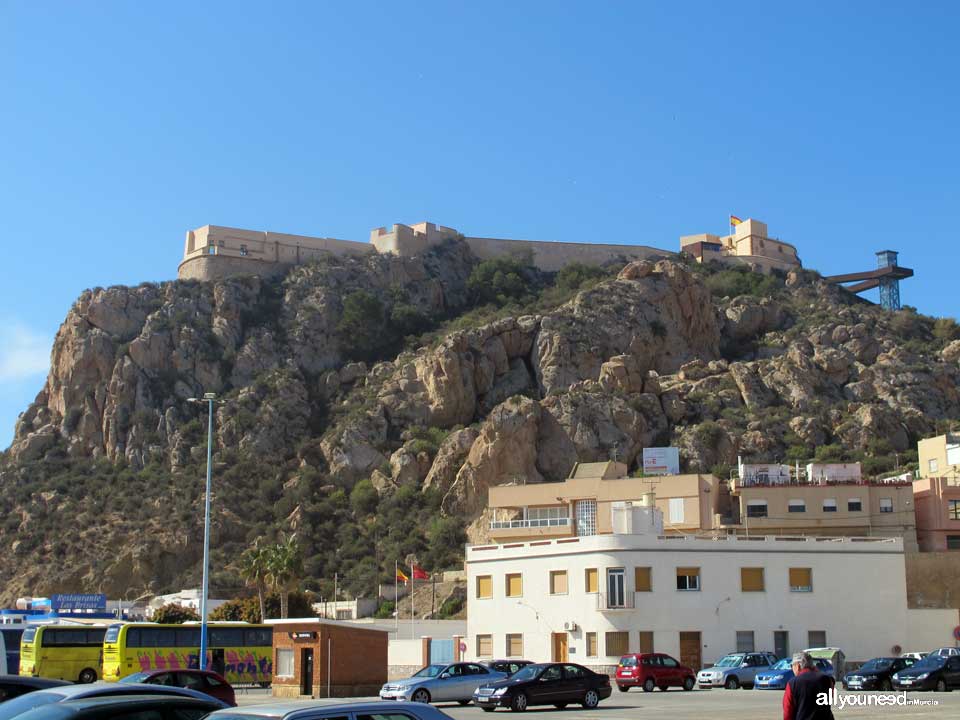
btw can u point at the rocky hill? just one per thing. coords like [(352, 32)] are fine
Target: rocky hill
[(368, 404)]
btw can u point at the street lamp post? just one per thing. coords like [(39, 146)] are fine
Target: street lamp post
[(208, 398)]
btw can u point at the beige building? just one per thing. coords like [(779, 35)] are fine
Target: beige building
[(841, 509), (768, 501), (580, 505), (937, 493), (939, 456), (750, 244)]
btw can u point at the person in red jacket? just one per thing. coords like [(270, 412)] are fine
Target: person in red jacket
[(800, 695)]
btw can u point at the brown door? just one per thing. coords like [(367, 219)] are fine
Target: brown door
[(306, 671), (690, 650), (560, 647)]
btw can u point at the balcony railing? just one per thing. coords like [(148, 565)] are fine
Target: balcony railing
[(616, 601), (536, 523)]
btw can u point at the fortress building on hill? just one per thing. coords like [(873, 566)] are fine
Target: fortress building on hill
[(213, 251), (749, 244)]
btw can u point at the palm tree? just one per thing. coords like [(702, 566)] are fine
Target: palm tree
[(254, 570), (284, 569)]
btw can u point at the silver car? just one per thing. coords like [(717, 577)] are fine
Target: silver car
[(454, 682), (314, 710), (736, 670)]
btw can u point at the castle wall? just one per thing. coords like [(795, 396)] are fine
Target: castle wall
[(552, 256)]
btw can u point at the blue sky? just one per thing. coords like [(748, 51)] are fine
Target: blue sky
[(125, 124)]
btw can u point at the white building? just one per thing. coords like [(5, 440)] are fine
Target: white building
[(824, 473), (188, 598), (590, 599)]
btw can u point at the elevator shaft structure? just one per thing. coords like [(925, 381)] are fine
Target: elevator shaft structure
[(887, 277)]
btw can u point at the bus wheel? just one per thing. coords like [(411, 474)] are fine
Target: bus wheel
[(87, 675)]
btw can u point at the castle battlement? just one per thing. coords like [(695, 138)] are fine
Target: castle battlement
[(214, 251)]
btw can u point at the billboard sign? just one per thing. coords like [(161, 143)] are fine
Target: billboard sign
[(661, 461), (76, 601)]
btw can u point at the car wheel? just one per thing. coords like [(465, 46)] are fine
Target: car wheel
[(688, 684), (663, 688), (87, 675), (591, 699), (486, 709), (420, 696), (732, 683), (463, 702), (560, 706), (941, 685), (518, 703), (623, 688), (648, 685)]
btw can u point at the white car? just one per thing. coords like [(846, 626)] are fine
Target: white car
[(946, 651), (914, 655)]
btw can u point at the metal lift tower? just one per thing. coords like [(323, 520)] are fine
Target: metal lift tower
[(887, 277)]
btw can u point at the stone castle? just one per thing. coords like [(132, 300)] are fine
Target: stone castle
[(213, 251)]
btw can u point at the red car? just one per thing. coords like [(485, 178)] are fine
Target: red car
[(205, 681), (653, 670)]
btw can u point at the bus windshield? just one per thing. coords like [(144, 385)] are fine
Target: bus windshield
[(28, 635)]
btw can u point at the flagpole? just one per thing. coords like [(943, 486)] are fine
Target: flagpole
[(396, 587), (413, 579)]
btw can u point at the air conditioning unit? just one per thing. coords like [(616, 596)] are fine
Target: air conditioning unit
[(570, 626)]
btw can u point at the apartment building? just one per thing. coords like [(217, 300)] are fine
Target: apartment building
[(589, 599), (815, 508), (939, 456), (581, 505)]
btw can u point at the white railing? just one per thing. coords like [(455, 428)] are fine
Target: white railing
[(536, 523)]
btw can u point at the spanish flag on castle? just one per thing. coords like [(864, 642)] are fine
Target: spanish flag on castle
[(734, 221)]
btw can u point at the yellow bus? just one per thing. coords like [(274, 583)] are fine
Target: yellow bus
[(241, 653), (62, 652)]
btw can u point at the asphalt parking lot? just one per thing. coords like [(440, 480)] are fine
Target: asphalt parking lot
[(695, 705)]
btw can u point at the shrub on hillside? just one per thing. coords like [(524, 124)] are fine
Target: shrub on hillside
[(173, 613), (735, 281)]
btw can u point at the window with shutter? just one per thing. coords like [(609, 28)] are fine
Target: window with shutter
[(591, 580), (484, 645), (514, 585), (484, 586), (616, 643), (558, 582), (642, 579), (751, 579), (801, 580)]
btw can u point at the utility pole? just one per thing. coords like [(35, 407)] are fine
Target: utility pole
[(210, 399)]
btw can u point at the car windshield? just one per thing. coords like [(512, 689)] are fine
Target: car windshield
[(876, 664), (781, 664), (730, 661), (12, 708), (431, 671), (135, 678), (529, 672), (930, 662), (628, 661)]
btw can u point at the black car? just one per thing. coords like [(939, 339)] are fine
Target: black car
[(876, 674), (557, 684), (12, 686), (508, 666), (126, 707), (932, 673)]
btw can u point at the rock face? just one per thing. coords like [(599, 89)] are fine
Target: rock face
[(647, 358)]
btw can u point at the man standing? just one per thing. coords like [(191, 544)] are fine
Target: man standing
[(800, 697)]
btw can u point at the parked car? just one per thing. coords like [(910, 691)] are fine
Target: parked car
[(836, 656), (876, 674), (442, 682), (947, 652), (914, 655), (161, 707), (205, 681), (13, 708), (934, 672), (557, 684), (312, 710), (736, 670), (777, 677), (507, 666), (12, 686), (653, 670)]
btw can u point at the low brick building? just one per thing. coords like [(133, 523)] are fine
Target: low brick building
[(326, 658)]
